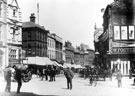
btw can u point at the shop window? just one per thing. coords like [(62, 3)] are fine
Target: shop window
[(124, 33)]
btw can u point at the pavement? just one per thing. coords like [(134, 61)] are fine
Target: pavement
[(81, 87)]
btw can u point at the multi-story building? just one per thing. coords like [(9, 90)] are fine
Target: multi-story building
[(89, 57), (77, 55), (81, 55), (58, 48), (117, 50), (51, 52), (3, 34), (69, 52), (34, 38), (14, 32)]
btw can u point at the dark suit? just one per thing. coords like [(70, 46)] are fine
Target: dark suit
[(69, 76), (18, 77)]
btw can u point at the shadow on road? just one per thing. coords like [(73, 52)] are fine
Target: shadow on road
[(65, 88), (22, 94)]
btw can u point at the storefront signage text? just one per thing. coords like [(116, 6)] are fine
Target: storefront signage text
[(124, 50)]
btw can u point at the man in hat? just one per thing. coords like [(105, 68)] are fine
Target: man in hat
[(7, 76), (69, 76), (18, 77)]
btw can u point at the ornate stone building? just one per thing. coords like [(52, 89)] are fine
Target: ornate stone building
[(14, 32)]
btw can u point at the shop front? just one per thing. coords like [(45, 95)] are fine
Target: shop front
[(122, 64), (122, 58)]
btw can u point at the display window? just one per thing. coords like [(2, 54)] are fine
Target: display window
[(117, 32), (124, 33), (131, 32)]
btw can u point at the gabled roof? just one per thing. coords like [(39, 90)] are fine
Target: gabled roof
[(14, 3), (31, 25)]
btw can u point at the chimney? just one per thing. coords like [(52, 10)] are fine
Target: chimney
[(32, 18)]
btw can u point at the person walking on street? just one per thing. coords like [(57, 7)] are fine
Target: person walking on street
[(119, 78), (7, 76), (69, 76), (18, 77), (130, 73)]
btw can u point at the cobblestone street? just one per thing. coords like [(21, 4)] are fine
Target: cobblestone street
[(81, 87)]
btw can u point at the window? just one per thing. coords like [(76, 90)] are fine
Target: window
[(124, 33), (116, 32), (131, 32)]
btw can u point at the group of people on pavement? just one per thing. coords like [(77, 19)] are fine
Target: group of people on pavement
[(8, 72), (94, 74), (47, 73), (51, 72)]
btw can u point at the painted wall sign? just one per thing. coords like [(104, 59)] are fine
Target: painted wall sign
[(123, 50)]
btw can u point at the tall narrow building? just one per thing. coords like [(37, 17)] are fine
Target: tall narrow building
[(3, 34), (14, 32)]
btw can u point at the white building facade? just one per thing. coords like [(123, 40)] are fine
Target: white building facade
[(3, 34), (51, 47), (14, 32)]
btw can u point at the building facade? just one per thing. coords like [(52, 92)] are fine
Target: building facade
[(14, 32), (117, 49), (81, 55), (58, 48), (34, 38), (51, 52), (3, 34), (69, 52)]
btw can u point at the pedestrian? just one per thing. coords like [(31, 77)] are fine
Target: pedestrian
[(119, 78), (69, 76), (46, 74), (7, 76), (18, 77), (130, 73), (53, 73)]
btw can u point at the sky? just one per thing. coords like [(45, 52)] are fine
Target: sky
[(72, 20)]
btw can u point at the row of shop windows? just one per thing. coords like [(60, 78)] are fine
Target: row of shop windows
[(124, 32)]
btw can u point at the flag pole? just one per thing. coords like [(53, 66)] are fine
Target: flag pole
[(38, 11)]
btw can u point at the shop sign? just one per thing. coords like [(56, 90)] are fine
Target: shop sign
[(123, 50)]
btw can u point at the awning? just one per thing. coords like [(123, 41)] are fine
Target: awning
[(57, 64), (39, 61), (65, 65), (77, 66)]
